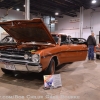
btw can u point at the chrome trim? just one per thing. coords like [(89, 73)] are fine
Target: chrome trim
[(24, 61), (26, 68), (34, 68), (39, 43), (11, 55)]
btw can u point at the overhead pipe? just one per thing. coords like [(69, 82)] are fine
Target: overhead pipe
[(27, 9), (81, 22)]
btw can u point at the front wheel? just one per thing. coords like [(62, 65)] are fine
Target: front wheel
[(51, 68)]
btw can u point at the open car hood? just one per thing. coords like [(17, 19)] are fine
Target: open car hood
[(28, 30)]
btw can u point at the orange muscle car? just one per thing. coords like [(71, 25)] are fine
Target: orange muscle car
[(37, 50)]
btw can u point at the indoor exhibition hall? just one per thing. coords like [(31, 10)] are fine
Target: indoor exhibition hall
[(49, 49)]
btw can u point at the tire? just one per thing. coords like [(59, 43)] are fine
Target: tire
[(5, 71), (51, 68), (97, 56)]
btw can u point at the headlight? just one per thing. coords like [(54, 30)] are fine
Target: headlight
[(26, 56), (35, 58)]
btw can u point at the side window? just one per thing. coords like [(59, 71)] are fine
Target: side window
[(74, 40)]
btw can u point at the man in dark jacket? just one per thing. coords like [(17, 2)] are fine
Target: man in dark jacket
[(91, 42)]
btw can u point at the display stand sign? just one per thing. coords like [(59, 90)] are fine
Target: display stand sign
[(52, 81)]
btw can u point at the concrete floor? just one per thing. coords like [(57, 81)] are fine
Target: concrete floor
[(80, 81)]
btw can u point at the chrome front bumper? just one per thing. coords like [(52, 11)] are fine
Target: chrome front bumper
[(20, 65), (26, 68), (14, 60)]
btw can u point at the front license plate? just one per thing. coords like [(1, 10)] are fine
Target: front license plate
[(10, 66)]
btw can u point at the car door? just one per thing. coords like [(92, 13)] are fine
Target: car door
[(73, 52), (77, 52), (65, 56)]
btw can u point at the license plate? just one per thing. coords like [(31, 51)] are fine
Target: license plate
[(10, 66)]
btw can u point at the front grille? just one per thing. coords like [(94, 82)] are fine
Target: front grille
[(13, 54), (16, 57)]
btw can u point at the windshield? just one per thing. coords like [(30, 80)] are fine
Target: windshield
[(56, 38)]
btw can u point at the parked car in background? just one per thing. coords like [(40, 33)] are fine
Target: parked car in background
[(78, 41), (7, 40), (36, 49)]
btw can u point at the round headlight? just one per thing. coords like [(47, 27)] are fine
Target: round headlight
[(26, 56), (35, 58)]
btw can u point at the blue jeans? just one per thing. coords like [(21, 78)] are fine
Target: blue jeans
[(91, 52)]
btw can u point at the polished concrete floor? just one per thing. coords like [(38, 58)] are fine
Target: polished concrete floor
[(80, 81)]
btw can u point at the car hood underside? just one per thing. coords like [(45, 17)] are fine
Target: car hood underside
[(28, 31)]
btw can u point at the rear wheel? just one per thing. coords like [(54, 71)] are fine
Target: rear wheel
[(97, 56), (6, 71), (51, 68)]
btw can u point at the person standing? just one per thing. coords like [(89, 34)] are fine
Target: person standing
[(91, 42)]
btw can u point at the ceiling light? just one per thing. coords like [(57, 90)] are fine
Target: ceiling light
[(94, 1), (24, 5), (18, 9), (56, 13)]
